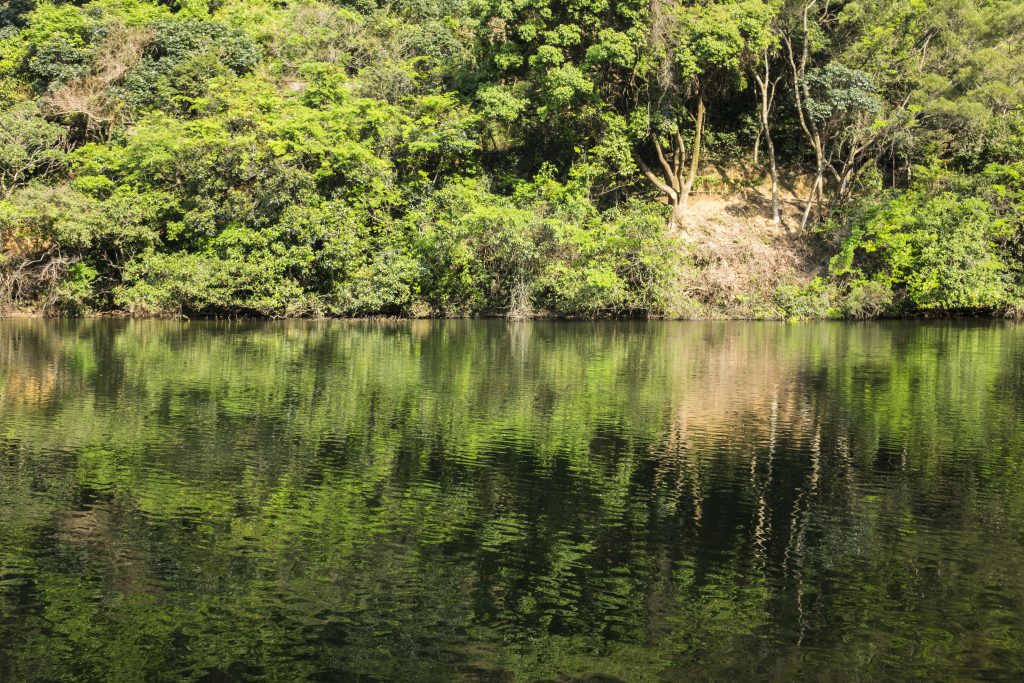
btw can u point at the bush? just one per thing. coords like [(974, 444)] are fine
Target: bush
[(930, 250), (868, 299), (812, 301)]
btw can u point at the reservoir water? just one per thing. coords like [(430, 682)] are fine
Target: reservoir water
[(495, 501)]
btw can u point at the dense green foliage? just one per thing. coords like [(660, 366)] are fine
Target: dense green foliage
[(467, 157)]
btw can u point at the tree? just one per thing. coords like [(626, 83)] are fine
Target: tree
[(30, 146), (767, 85), (701, 51), (89, 97)]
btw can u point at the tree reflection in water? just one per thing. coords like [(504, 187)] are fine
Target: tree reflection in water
[(491, 501)]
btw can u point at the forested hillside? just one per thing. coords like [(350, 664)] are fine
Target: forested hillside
[(512, 157)]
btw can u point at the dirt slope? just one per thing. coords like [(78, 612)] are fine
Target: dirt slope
[(741, 258)]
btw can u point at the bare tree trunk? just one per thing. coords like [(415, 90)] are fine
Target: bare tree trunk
[(677, 219), (767, 91), (815, 191), (691, 176), (802, 94), (774, 172)]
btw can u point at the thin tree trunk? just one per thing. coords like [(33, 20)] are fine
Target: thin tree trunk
[(815, 191), (767, 89), (801, 94), (691, 176), (773, 171)]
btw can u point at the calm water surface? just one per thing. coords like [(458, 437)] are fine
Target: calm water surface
[(485, 501)]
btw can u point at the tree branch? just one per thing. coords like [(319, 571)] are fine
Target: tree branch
[(655, 180)]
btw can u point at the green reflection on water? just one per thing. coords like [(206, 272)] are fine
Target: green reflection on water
[(492, 501)]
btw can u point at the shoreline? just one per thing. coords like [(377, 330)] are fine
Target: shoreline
[(1010, 316)]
